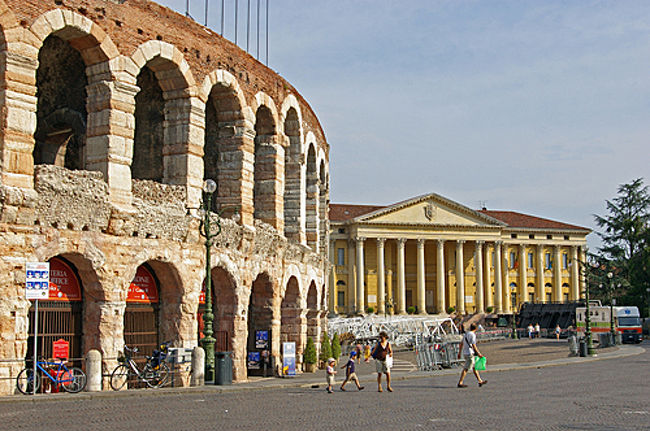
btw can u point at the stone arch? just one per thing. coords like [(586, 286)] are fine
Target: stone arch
[(224, 308), (261, 315), (323, 203), (292, 318), (74, 57), (226, 139), (294, 219), (313, 314), (165, 120), (313, 198), (269, 164)]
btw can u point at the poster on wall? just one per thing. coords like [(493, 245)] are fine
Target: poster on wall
[(289, 359), (64, 285), (143, 288), (253, 362), (37, 282), (262, 340)]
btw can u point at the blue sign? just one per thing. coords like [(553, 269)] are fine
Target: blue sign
[(253, 360), (289, 359), (261, 339)]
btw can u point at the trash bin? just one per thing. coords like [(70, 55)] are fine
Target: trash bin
[(583, 348), (223, 368)]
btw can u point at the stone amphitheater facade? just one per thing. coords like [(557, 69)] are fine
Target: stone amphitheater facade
[(113, 113)]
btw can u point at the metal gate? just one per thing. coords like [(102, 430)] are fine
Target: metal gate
[(56, 319), (222, 338), (141, 327)]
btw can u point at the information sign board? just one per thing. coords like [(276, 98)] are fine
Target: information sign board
[(289, 359), (253, 362), (37, 284), (261, 339)]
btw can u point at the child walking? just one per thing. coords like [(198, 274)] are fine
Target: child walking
[(349, 372), (330, 374)]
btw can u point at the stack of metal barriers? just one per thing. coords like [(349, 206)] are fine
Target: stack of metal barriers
[(437, 354)]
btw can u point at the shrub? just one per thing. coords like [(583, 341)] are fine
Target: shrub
[(410, 310), (451, 309), (310, 352), (336, 346), (370, 310), (325, 348), (489, 309)]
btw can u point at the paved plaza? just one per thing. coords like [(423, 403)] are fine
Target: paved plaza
[(606, 394)]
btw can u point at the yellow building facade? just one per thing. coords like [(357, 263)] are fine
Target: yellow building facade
[(434, 254)]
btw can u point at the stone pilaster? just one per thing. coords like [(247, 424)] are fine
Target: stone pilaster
[(441, 306), (381, 283), (422, 306), (498, 274), (401, 277), (361, 274), (539, 271), (489, 298), (523, 270), (575, 274), (478, 265), (351, 297), (460, 277), (557, 273)]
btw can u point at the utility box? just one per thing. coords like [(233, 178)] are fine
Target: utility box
[(223, 368)]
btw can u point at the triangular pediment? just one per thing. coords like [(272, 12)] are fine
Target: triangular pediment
[(430, 209)]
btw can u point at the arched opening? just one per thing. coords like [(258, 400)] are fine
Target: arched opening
[(312, 200), (142, 313), (260, 320), (291, 318), (293, 225), (60, 316), (313, 315), (565, 292), (61, 108), (531, 292), (222, 142), (148, 141), (264, 174), (223, 308)]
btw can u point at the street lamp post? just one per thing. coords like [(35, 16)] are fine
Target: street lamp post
[(590, 344), (206, 230), (514, 314)]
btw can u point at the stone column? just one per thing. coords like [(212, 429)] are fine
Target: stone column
[(541, 297), (361, 297), (422, 305), (575, 274), (440, 278), (333, 299), (478, 265), (460, 277), (557, 273), (351, 297), (507, 291), (523, 267), (489, 299), (381, 283), (498, 273), (401, 277)]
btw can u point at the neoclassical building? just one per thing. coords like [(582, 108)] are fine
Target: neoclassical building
[(112, 115), (432, 253)]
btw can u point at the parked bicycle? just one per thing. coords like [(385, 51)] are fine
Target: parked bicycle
[(72, 380), (154, 373)]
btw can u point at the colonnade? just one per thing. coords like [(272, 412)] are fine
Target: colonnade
[(471, 275)]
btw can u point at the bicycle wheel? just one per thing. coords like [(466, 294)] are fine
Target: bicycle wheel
[(73, 380), (120, 377), (25, 381), (156, 378)]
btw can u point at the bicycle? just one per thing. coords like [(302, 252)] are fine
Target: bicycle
[(72, 380), (154, 373)]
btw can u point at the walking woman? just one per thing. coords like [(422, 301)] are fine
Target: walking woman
[(383, 355)]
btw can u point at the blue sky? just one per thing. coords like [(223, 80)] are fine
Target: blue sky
[(538, 107)]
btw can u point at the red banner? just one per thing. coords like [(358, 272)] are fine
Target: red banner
[(143, 288), (64, 285)]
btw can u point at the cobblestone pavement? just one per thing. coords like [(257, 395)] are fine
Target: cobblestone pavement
[(609, 394)]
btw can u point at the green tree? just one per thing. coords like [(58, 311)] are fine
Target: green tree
[(625, 250), (325, 348), (336, 346), (309, 354)]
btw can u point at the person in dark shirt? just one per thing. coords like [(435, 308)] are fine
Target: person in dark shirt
[(350, 372)]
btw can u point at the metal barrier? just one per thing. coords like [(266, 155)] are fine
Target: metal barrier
[(437, 355)]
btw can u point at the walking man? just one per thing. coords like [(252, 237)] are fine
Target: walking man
[(469, 349)]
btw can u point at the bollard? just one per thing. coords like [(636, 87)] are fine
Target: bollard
[(198, 367), (94, 371)]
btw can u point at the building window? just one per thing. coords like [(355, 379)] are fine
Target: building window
[(513, 258), (565, 261), (566, 237), (548, 264), (549, 236), (530, 260), (341, 230), (531, 236), (340, 257), (513, 235)]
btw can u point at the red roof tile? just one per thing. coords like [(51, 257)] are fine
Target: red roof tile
[(515, 219), (343, 212)]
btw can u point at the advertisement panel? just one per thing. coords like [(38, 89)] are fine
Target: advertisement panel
[(143, 288), (289, 359), (253, 362), (64, 285), (262, 340)]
